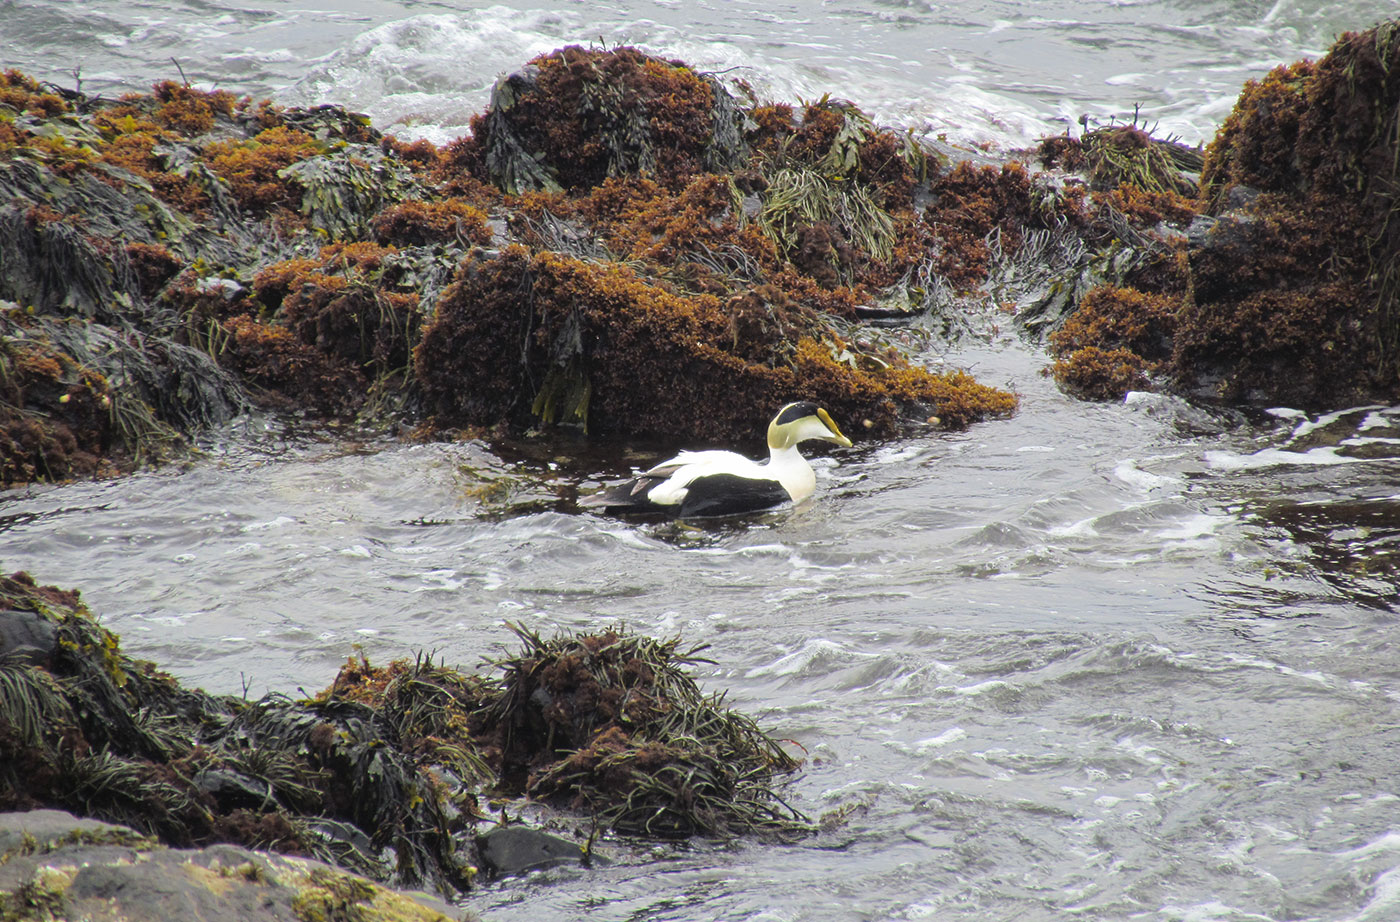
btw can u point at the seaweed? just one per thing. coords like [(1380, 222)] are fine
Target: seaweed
[(421, 223), (382, 772), (188, 110), (22, 93), (95, 732), (342, 193), (1286, 288), (831, 186), (653, 362), (674, 234), (253, 167), (55, 415), (574, 117), (972, 204), (611, 724), (1128, 154)]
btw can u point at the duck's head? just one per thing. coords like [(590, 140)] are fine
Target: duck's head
[(798, 422)]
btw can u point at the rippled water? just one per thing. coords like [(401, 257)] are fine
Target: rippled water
[(1132, 661), (1001, 70), (1125, 661)]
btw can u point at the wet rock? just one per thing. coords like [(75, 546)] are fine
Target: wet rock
[(26, 638), (234, 789), (1287, 289), (509, 850), (44, 830), (55, 865)]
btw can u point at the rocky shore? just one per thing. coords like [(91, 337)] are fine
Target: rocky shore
[(404, 775), (623, 248)]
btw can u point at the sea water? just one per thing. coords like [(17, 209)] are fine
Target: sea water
[(1097, 661)]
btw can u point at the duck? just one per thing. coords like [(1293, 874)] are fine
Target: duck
[(712, 483)]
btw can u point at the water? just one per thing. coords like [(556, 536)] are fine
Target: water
[(1005, 71), (1130, 661)]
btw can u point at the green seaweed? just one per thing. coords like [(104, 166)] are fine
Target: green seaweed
[(342, 193)]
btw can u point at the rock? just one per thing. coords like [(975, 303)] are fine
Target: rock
[(1287, 289), (517, 849), (26, 638), (55, 865), (44, 830), (233, 788)]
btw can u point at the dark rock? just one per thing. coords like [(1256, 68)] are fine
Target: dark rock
[(517, 849), (26, 638), (231, 788), (1199, 231)]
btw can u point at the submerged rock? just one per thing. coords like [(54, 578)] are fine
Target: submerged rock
[(509, 850)]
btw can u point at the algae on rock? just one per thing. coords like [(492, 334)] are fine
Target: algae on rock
[(1286, 290), (382, 772), (700, 238)]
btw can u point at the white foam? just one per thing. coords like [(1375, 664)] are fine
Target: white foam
[(1386, 844), (1128, 472), (1276, 457), (1384, 905), (924, 746), (425, 76), (813, 652), (278, 522), (1375, 421), (1308, 426), (1214, 911), (1192, 528)]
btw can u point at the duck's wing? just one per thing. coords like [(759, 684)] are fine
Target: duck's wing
[(730, 494), (699, 463), (630, 495), (694, 483)]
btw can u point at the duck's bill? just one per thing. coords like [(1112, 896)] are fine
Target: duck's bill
[(836, 434)]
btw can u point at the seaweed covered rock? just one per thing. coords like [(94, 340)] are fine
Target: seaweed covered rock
[(87, 729), (54, 414), (127, 227), (574, 117), (562, 339), (380, 774), (629, 248), (611, 724), (1287, 290), (1126, 154)]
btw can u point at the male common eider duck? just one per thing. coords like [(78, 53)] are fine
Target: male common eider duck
[(701, 483)]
